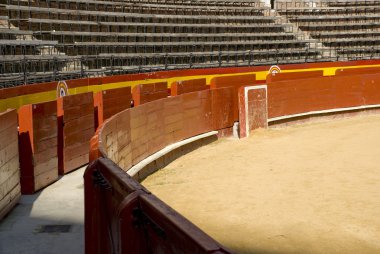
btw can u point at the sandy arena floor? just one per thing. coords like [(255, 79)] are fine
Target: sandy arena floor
[(310, 188)]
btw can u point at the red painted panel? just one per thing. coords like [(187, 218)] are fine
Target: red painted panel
[(197, 114), (235, 82), (115, 102), (187, 86), (315, 94), (223, 100), (27, 89), (257, 109), (109, 102), (274, 77), (75, 129), (252, 110), (357, 71), (38, 146), (147, 130), (144, 93), (173, 122)]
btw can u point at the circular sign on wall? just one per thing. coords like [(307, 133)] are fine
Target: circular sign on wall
[(274, 69), (62, 89)]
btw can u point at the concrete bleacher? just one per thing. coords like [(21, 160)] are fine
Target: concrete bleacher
[(349, 29), (107, 37)]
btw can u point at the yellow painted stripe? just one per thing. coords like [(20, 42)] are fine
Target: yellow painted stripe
[(18, 101)]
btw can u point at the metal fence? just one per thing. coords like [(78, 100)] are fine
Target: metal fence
[(29, 70)]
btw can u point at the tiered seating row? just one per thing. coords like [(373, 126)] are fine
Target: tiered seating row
[(71, 37), (349, 28), (143, 36), (168, 7), (325, 4), (24, 12), (118, 27)]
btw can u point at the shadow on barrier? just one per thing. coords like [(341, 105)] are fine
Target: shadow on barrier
[(121, 216)]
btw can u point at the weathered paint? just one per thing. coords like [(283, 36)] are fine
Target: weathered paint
[(253, 109)]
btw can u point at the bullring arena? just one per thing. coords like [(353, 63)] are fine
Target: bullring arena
[(152, 126), (299, 189)]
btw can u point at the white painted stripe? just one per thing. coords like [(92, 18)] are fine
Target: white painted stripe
[(136, 168), (323, 112)]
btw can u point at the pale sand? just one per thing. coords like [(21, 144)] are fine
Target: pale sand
[(310, 188)]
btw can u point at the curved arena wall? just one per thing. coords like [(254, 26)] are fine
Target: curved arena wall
[(131, 136), (317, 95)]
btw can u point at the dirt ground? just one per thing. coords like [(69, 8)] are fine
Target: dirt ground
[(310, 188)]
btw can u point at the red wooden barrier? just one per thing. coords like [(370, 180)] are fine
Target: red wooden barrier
[(38, 146), (187, 86), (75, 129), (357, 71), (30, 89), (9, 162), (121, 216), (117, 205), (317, 94), (149, 92), (134, 134), (140, 131), (109, 102), (273, 77), (235, 82)]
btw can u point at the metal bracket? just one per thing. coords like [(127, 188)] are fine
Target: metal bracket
[(99, 179)]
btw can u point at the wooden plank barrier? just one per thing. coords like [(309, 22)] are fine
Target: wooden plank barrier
[(273, 77), (10, 190), (38, 138), (109, 102), (128, 138), (144, 93), (307, 96), (138, 132), (139, 222), (187, 86), (235, 82), (222, 110), (287, 99), (75, 129), (357, 71)]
